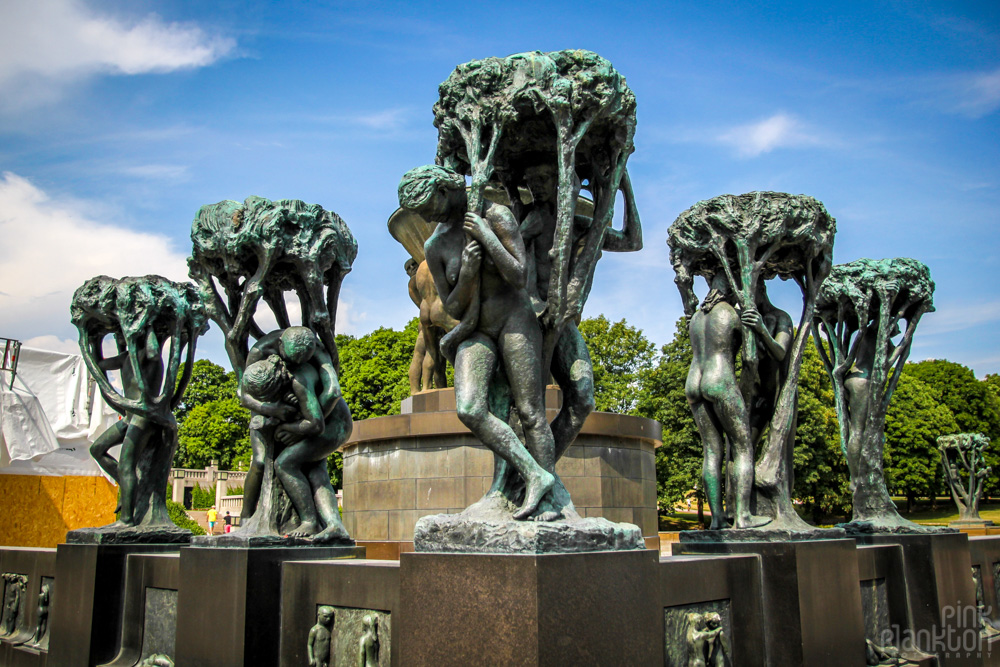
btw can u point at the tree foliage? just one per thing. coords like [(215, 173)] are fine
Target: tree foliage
[(374, 370), (212, 423), (915, 420), (620, 354)]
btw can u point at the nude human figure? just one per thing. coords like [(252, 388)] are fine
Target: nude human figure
[(318, 648), (323, 425), (293, 347), (428, 367), (856, 384), (506, 332), (132, 431), (717, 404), (571, 365), (368, 644)]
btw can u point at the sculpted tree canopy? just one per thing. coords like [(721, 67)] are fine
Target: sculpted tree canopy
[(260, 249), (155, 324), (736, 242), (497, 116), (858, 312), (965, 470)]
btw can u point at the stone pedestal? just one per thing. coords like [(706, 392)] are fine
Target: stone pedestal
[(88, 603), (354, 588), (561, 609), (229, 605), (149, 625), (941, 594), (985, 554), (24, 647), (425, 461), (811, 602)]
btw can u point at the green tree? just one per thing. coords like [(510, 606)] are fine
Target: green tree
[(214, 430), (620, 354), (913, 423), (974, 405), (661, 397), (992, 382), (209, 382), (822, 480), (374, 370)]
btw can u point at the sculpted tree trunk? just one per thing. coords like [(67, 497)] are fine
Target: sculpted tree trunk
[(859, 310), (965, 470)]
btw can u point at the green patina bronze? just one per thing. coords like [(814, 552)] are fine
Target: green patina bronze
[(155, 324), (516, 275), (737, 242), (260, 249), (858, 313), (965, 470)]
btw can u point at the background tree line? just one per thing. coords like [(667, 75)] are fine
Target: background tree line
[(933, 398)]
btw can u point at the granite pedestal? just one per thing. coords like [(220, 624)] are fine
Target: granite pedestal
[(229, 605), (941, 595), (354, 588), (88, 601), (811, 602), (149, 625), (597, 608), (24, 647), (727, 585)]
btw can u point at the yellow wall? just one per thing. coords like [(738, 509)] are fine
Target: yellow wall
[(37, 510)]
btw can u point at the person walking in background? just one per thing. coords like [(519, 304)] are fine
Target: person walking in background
[(212, 517), (228, 520)]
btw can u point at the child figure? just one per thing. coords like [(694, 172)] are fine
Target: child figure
[(368, 644), (320, 638)]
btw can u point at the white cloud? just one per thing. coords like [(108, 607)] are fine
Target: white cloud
[(52, 246), (54, 343), (976, 95), (959, 317), (46, 43), (779, 131)]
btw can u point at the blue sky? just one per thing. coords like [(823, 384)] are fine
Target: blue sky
[(119, 119)]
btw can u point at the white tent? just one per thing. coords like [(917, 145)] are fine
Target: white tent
[(50, 416)]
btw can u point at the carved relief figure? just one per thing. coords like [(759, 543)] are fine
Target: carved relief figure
[(14, 589), (320, 638), (368, 644), (43, 614), (706, 642)]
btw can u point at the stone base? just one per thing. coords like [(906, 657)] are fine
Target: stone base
[(970, 524), (940, 593), (760, 535), (459, 533), (555, 609), (238, 540), (87, 607), (859, 528), (113, 534), (811, 599), (229, 604)]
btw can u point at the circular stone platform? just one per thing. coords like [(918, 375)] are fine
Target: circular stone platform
[(425, 461)]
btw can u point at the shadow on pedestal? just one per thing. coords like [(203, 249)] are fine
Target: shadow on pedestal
[(88, 603), (940, 593), (557, 609), (811, 602), (150, 613), (353, 588), (24, 647), (229, 607)]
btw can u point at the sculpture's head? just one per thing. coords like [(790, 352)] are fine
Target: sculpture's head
[(370, 622), (432, 191), (411, 267), (324, 615), (265, 379), (297, 344), (542, 180), (713, 620)]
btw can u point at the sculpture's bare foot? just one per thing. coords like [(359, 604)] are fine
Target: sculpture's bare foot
[(718, 524), (550, 515), (537, 487), (332, 533), (752, 521), (305, 529)]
